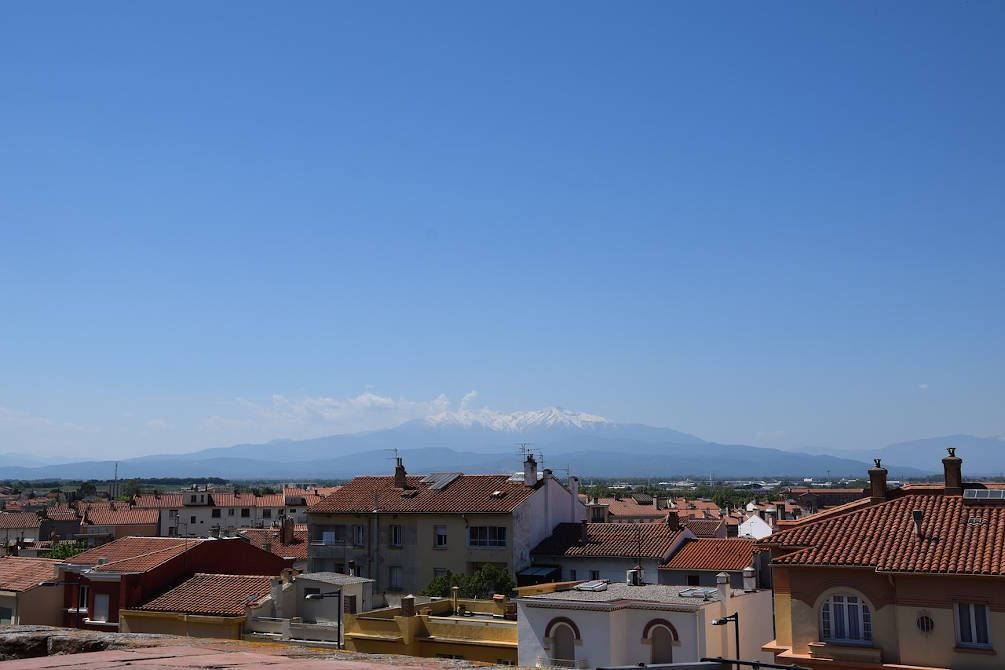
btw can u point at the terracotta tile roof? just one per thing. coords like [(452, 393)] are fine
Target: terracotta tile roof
[(135, 554), (271, 536), (221, 595), (159, 501), (958, 537), (713, 553), (703, 527), (248, 500), (19, 520), (18, 573), (61, 513), (609, 539), (122, 517), (467, 493), (629, 508), (326, 490)]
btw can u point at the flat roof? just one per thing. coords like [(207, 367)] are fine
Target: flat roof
[(619, 591)]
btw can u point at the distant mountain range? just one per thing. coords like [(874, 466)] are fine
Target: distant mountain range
[(477, 441)]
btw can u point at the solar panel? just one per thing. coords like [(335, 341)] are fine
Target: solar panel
[(699, 592), (984, 494), (440, 480), (591, 586)]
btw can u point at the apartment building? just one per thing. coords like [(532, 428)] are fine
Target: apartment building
[(209, 513), (905, 577), (404, 530)]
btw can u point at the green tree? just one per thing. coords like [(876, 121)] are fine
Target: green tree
[(131, 488), (484, 583), (87, 489), (65, 550)]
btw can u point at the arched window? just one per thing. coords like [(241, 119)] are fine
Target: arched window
[(845, 618), (563, 645), (662, 639)]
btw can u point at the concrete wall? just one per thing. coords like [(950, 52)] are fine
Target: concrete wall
[(40, 605)]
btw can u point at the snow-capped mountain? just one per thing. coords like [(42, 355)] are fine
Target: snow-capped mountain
[(515, 422)]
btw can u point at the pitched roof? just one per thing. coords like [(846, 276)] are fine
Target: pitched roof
[(19, 520), (159, 500), (221, 595), (273, 537), (957, 536), (703, 527), (135, 554), (122, 517), (630, 508), (19, 573), (731, 554), (466, 493), (609, 539)]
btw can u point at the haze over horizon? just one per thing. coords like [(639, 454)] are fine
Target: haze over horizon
[(776, 226)]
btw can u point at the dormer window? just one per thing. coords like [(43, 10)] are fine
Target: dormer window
[(845, 619)]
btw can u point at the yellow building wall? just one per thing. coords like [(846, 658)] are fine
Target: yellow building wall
[(188, 625)]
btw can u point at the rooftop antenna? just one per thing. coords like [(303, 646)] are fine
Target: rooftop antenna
[(525, 448), (395, 450)]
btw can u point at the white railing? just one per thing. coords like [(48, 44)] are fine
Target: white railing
[(545, 662)]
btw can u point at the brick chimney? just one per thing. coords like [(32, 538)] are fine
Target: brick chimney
[(953, 465), (400, 482), (286, 531), (877, 482), (584, 535), (408, 606), (673, 521)]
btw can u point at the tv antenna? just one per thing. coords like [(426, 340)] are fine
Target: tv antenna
[(395, 450), (525, 448)]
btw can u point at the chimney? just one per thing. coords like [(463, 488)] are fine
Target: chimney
[(749, 579), (584, 535), (530, 471), (408, 606), (400, 482), (918, 517), (286, 531), (673, 521), (780, 510), (547, 473), (722, 585), (877, 482), (953, 466)]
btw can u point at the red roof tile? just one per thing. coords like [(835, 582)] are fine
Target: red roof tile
[(122, 517), (271, 536), (713, 553), (159, 501), (609, 539), (221, 595), (19, 520), (135, 554), (467, 493), (703, 527), (19, 573), (629, 508), (957, 536)]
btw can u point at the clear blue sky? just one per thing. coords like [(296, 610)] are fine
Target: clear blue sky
[(772, 223)]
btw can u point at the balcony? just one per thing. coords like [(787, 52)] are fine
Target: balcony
[(545, 662)]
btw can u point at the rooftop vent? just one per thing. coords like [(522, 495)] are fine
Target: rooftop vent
[(102, 560), (498, 494), (595, 585), (411, 493)]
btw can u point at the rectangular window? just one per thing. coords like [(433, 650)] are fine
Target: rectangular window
[(972, 626), (173, 514), (395, 576), (439, 572), (572, 574), (216, 513), (192, 499), (82, 593), (100, 607), (395, 535), (193, 519), (328, 537), (266, 513), (6, 615), (594, 574), (693, 580), (245, 512), (230, 512), (441, 536), (487, 536), (357, 536)]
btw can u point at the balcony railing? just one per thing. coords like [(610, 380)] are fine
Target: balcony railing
[(545, 662)]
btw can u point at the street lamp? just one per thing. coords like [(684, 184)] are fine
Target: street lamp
[(735, 619), (331, 594)]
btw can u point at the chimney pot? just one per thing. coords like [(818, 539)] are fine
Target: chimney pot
[(400, 481), (530, 471), (877, 482), (953, 466)]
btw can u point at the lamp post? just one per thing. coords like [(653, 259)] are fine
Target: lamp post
[(331, 594), (735, 619)]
